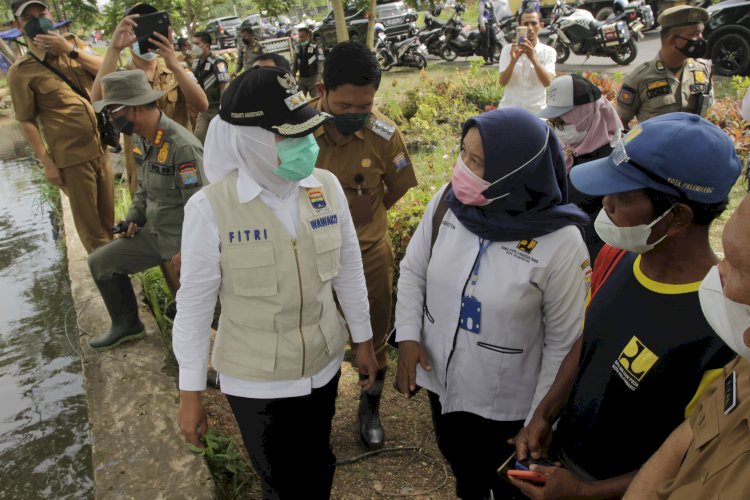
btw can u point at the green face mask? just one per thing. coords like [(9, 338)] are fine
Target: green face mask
[(38, 26), (298, 157)]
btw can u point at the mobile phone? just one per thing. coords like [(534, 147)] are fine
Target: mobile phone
[(521, 34), (502, 471), (526, 462), (527, 475), (147, 25)]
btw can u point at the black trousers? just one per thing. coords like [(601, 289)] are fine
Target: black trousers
[(288, 440), (475, 447), (488, 42)]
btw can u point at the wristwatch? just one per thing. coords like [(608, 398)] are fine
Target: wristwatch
[(73, 54)]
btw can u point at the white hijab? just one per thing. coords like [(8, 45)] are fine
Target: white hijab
[(249, 150)]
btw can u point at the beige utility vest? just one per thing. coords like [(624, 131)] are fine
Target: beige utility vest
[(278, 318)]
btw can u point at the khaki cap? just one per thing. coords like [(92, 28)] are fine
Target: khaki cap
[(129, 88), (682, 15)]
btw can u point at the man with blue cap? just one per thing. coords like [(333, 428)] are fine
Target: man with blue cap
[(647, 351)]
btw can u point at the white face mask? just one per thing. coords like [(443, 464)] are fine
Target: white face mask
[(148, 56), (632, 239), (570, 136), (727, 318)]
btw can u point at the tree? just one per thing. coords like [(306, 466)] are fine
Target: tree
[(277, 7)]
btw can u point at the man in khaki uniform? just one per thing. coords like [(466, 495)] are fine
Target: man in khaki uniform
[(170, 163), (211, 73), (182, 94), (366, 152), (71, 152), (707, 455), (675, 80), (248, 47)]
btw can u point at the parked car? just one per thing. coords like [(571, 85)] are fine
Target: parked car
[(728, 36), (395, 16), (224, 31)]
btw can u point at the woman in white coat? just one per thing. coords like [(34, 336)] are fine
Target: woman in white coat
[(488, 308)]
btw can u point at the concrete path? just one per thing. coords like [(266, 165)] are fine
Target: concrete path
[(137, 451)]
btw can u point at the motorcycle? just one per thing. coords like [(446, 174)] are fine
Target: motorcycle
[(458, 44), (576, 30), (505, 32), (637, 14), (409, 52), (432, 35)]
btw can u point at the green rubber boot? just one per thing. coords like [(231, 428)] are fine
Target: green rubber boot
[(122, 306)]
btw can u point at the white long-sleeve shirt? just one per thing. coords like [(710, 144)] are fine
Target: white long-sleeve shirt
[(524, 90), (200, 278), (532, 296)]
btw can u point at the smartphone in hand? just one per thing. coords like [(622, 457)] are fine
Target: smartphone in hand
[(521, 32), (527, 475), (147, 25)]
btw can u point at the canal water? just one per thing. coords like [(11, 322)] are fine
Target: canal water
[(45, 450)]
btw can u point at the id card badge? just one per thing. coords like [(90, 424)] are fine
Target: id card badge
[(471, 314)]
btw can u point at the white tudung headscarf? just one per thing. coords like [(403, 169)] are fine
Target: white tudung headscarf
[(249, 150)]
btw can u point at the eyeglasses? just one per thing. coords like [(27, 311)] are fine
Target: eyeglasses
[(556, 123), (110, 111)]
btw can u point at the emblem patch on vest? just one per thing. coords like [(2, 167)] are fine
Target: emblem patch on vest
[(317, 200)]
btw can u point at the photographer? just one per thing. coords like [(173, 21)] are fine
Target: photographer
[(170, 162)]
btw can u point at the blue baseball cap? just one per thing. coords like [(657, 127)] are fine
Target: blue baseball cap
[(679, 154)]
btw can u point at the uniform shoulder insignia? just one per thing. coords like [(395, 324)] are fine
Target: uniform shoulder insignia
[(381, 128), (211, 58), (660, 67)]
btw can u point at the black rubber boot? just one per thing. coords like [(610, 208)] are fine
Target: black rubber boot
[(370, 429), (122, 306)]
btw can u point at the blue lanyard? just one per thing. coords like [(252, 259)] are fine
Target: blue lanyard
[(483, 246)]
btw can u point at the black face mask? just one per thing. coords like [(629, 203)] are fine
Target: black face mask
[(693, 48)]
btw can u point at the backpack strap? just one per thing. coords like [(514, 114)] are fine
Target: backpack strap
[(437, 218), (606, 262)]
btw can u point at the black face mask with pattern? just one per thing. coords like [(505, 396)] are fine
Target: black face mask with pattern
[(693, 48), (38, 26)]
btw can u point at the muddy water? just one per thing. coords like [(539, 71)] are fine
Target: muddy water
[(45, 449)]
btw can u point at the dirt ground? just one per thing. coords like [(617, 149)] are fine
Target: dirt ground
[(411, 466)]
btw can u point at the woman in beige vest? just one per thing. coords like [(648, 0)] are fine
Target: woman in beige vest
[(273, 238)]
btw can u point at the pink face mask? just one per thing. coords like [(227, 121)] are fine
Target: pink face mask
[(468, 186)]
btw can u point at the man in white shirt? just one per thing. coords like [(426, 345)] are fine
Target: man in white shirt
[(527, 67)]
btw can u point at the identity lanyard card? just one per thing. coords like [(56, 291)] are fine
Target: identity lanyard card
[(471, 308)]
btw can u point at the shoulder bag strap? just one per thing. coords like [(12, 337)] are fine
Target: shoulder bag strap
[(62, 77)]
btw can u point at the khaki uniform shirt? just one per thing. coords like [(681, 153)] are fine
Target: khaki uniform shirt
[(368, 164), (170, 171), (173, 102), (248, 54), (717, 462), (652, 89), (67, 120)]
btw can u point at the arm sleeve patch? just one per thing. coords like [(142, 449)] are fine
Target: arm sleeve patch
[(626, 95), (188, 175)]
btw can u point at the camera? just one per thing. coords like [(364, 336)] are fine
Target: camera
[(120, 227)]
